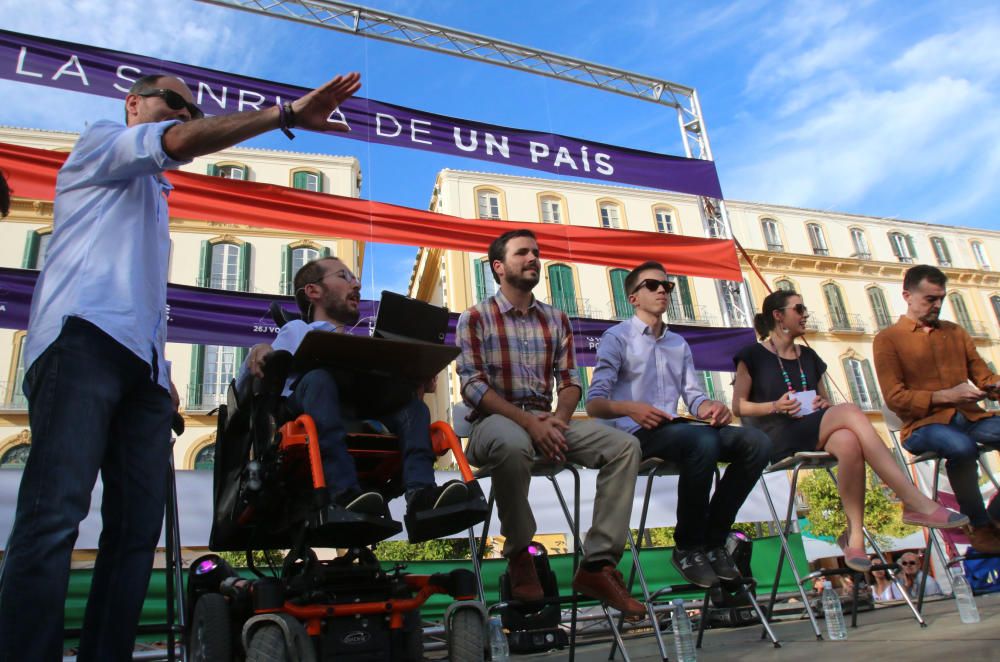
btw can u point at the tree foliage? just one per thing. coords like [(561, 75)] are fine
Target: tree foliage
[(883, 515), (432, 550)]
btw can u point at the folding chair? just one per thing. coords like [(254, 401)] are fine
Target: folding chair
[(652, 468), (796, 463), (894, 424)]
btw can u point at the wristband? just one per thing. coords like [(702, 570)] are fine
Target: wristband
[(286, 119), (774, 406)]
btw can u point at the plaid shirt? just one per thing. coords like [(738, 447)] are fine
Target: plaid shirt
[(517, 355)]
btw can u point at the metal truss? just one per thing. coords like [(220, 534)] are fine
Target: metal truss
[(385, 26)]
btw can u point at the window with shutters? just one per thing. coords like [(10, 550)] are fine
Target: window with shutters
[(681, 305), (772, 236), (961, 312), (307, 180), (562, 289), (902, 247), (584, 385), (710, 384), (611, 215), (818, 239), (213, 367), (995, 302), (861, 250), (225, 264), (35, 245), (664, 220), (551, 209), (835, 305), (622, 308), (864, 390), (294, 257), (14, 397), (488, 203), (880, 309), (228, 170), (941, 251), (486, 286), (979, 252), (734, 302)]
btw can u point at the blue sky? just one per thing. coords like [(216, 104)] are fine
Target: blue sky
[(879, 108)]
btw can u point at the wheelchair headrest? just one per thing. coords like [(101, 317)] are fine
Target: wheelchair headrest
[(281, 316)]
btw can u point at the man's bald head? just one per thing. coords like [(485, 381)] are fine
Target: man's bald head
[(145, 100)]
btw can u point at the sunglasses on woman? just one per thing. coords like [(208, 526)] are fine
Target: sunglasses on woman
[(800, 308), (174, 101), (652, 285)]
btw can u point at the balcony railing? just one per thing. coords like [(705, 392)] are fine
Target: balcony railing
[(861, 256), (572, 307), (205, 397), (693, 315), (220, 283), (776, 248), (905, 259), (814, 324), (847, 323), (821, 251), (13, 397)]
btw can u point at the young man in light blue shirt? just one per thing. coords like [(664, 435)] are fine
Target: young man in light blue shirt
[(642, 370), (98, 386)]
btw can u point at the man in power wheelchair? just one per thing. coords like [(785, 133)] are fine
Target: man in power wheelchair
[(294, 472)]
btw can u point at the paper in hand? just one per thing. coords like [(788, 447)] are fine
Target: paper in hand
[(805, 399)]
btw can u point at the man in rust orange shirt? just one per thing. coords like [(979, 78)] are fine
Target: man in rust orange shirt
[(925, 366)]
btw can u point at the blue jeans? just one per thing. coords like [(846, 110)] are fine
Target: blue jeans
[(956, 442), (93, 406), (698, 449), (318, 395)]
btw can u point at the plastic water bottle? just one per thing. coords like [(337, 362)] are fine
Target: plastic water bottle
[(833, 613), (683, 637), (967, 609), (499, 650)]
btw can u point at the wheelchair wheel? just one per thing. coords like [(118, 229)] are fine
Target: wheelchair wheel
[(466, 640), (211, 630), (268, 645)]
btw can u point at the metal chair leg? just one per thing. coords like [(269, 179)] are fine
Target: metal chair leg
[(614, 631), (786, 551)]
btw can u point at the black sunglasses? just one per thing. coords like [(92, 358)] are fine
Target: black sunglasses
[(652, 285), (800, 308), (907, 563), (174, 100)]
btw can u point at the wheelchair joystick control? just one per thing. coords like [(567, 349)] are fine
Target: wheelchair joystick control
[(254, 481)]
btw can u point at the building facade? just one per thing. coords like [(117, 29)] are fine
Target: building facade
[(848, 268), (205, 254)]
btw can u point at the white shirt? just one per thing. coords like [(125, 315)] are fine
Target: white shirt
[(289, 338), (107, 259)]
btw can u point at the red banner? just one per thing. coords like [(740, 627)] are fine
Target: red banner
[(32, 174)]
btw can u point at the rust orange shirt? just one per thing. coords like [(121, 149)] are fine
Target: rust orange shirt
[(912, 363)]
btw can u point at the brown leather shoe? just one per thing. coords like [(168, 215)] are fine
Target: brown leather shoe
[(607, 585), (524, 584), (985, 538)]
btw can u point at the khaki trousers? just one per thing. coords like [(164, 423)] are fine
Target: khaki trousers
[(505, 449)]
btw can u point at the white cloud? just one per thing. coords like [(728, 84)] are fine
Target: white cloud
[(851, 117)]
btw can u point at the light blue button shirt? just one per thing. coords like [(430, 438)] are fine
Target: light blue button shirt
[(107, 259), (632, 364)]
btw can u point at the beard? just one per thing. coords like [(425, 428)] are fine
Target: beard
[(521, 282), (931, 318), (342, 311)]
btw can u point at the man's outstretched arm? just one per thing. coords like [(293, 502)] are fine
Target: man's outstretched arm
[(187, 140)]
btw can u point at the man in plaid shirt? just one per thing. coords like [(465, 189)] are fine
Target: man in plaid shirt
[(514, 349)]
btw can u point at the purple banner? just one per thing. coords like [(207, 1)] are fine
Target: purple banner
[(109, 73), (217, 317)]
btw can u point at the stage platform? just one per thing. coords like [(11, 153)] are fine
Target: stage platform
[(887, 633)]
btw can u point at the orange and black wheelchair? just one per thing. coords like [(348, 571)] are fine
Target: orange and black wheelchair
[(270, 493)]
